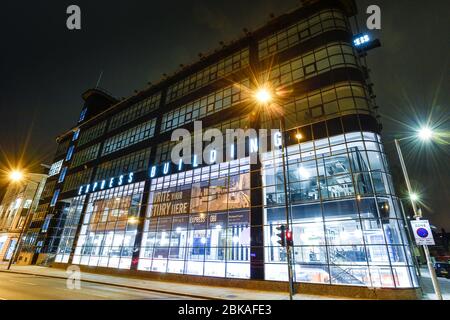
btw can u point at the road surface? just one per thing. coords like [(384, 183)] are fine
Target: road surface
[(29, 287)]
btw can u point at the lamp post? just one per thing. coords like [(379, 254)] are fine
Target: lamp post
[(264, 97), (17, 176), (425, 134)]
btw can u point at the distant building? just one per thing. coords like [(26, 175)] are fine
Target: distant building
[(114, 199), (14, 210)]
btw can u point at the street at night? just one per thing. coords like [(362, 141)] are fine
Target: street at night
[(29, 287)]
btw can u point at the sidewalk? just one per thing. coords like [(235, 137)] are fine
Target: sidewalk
[(190, 290), (427, 286)]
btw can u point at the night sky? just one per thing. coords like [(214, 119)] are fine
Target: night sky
[(45, 68)]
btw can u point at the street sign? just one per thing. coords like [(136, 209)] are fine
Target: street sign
[(422, 232)]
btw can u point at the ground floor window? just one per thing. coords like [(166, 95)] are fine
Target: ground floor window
[(109, 227), (198, 223), (346, 222), (72, 219)]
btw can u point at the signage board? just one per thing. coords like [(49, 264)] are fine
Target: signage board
[(422, 233)]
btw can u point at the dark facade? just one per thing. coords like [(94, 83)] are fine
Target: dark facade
[(115, 199)]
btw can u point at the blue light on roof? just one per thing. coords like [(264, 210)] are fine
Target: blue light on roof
[(360, 40)]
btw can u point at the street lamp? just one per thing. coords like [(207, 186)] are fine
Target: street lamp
[(414, 197), (17, 176), (264, 97), (425, 134)]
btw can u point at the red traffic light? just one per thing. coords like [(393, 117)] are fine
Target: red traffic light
[(289, 240)]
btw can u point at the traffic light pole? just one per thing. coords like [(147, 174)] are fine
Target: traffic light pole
[(287, 246)]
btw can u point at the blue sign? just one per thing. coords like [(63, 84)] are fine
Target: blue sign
[(106, 184), (422, 232)]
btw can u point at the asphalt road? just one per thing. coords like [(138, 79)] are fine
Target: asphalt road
[(29, 287)]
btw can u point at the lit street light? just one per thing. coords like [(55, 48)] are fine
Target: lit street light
[(17, 176), (414, 197), (264, 96), (425, 134)]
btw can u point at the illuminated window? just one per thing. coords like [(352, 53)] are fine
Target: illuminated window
[(55, 198), (76, 133), (62, 175), (55, 168), (70, 153), (82, 115)]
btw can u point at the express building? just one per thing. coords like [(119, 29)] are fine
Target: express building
[(107, 207)]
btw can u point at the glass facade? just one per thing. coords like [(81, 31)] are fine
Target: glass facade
[(72, 220), (346, 222), (109, 227), (198, 222)]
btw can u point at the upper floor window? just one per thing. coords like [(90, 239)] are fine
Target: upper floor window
[(76, 133), (207, 105), (62, 175), (135, 111), (92, 133), (301, 31), (129, 137), (85, 155), (55, 168), (55, 198), (70, 153), (82, 115), (212, 73)]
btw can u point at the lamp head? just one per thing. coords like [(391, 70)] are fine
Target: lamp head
[(425, 134), (16, 175), (263, 95)]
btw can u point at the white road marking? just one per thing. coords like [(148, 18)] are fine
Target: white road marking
[(22, 282)]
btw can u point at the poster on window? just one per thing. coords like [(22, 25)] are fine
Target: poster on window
[(221, 195), (202, 197), (170, 203)]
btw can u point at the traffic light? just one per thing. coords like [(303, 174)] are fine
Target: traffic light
[(282, 235), (289, 240)]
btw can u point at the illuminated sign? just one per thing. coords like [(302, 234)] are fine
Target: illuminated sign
[(361, 39), (253, 148), (107, 183)]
